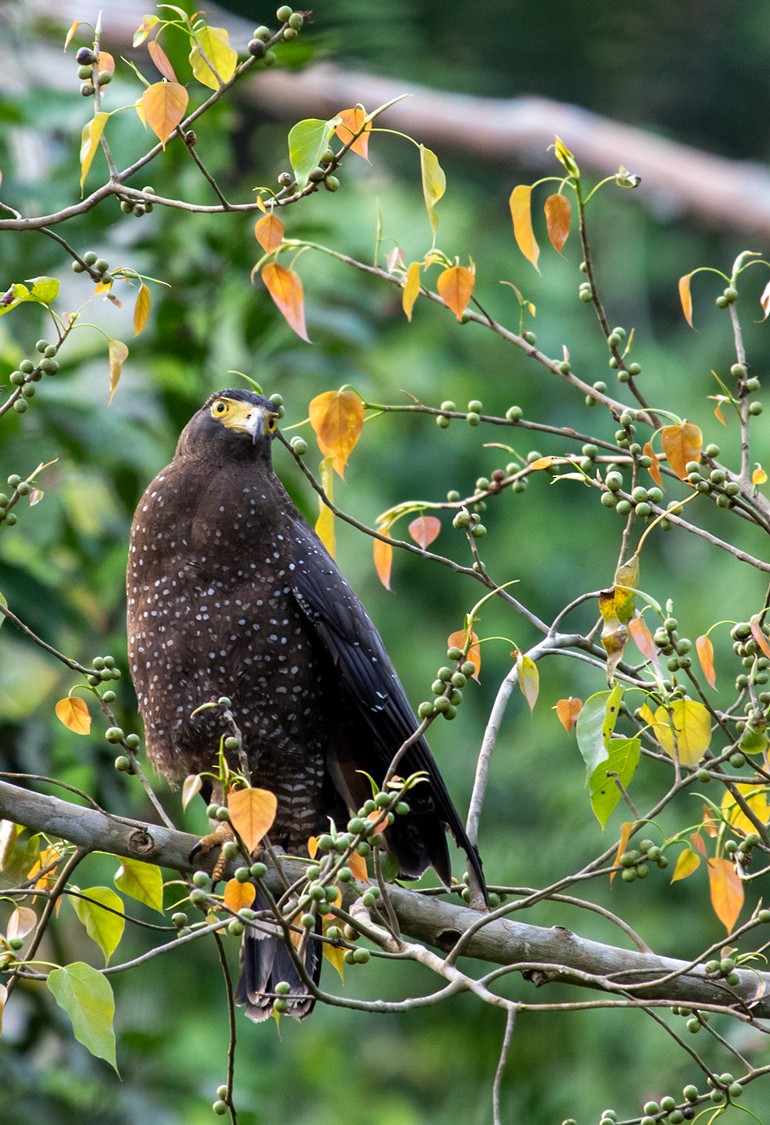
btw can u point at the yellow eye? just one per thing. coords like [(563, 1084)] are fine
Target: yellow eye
[(272, 423), (220, 408)]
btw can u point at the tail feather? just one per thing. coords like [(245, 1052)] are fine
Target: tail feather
[(265, 962)]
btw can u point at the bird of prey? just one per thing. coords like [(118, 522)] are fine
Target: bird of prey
[(231, 593)]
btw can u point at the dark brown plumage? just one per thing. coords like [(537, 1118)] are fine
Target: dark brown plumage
[(231, 593)]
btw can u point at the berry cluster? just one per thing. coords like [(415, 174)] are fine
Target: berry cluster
[(448, 684), (137, 207), (89, 73), (635, 863)]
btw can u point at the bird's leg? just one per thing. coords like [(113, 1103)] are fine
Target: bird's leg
[(221, 834)]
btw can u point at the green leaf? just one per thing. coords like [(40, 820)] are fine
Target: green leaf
[(622, 759), (307, 141), (141, 881), (44, 289), (86, 996), (3, 602), (102, 926), (433, 184), (595, 725)]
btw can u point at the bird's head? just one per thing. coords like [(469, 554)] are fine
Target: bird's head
[(231, 423)]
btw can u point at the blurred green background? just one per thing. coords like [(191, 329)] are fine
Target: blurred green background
[(700, 81)]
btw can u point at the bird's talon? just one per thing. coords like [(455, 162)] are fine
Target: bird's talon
[(216, 839)]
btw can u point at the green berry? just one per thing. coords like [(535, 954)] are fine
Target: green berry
[(514, 413), (472, 418), (755, 409), (219, 1107), (289, 33), (283, 13), (258, 870)]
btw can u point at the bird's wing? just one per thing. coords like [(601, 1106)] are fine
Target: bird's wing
[(374, 690)]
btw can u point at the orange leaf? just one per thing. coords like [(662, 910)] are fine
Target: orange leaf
[(711, 823), (642, 638), (424, 530), (681, 444), (285, 287), (460, 640), (269, 231), (411, 289), (686, 297), (357, 865), (252, 812), (726, 891), (383, 558), (73, 712), (455, 286), (759, 636), (69, 36), (557, 220), (759, 476), (354, 121), (237, 895), (654, 469), (338, 419), (688, 862), (163, 107), (705, 651), (625, 834), (567, 711), (106, 62), (142, 308), (520, 203), (161, 60)]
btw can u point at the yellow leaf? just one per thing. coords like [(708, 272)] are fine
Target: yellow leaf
[(726, 891), (685, 296), (269, 231), (324, 527), (239, 895), (567, 711), (654, 469), (163, 107), (191, 787), (141, 881), (252, 812), (529, 679), (144, 29), (118, 353), (334, 953), (73, 712), (681, 444), (469, 644), (352, 121), (383, 558), (520, 203), (759, 476), (565, 157), (688, 862), (433, 184), (212, 59), (455, 286), (411, 289), (142, 308), (690, 735), (756, 798), (68, 38), (92, 132), (557, 220), (312, 846), (161, 60), (337, 418), (285, 287), (705, 651), (625, 834)]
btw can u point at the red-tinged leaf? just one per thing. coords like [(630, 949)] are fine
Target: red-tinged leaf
[(455, 286), (89, 143), (520, 203), (759, 476), (73, 712), (681, 444), (357, 865), (567, 711), (324, 527), (142, 308), (711, 824), (161, 60), (239, 895), (191, 787), (252, 812), (557, 220), (472, 652), (22, 922), (759, 636), (352, 121), (269, 232), (654, 469), (625, 835), (529, 679), (642, 638), (383, 558), (118, 354), (285, 287), (688, 862), (163, 107), (705, 651), (764, 301), (697, 842), (144, 29), (424, 530), (338, 419), (106, 62), (68, 38), (726, 889), (685, 296), (411, 289)]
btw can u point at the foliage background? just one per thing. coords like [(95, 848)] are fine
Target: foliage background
[(698, 81)]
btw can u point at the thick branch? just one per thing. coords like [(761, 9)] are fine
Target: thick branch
[(554, 954)]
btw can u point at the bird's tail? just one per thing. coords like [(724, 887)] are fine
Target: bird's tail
[(265, 963)]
